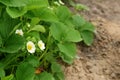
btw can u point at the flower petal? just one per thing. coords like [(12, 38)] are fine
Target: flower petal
[(31, 47)]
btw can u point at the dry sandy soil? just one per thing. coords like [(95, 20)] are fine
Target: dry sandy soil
[(101, 61)]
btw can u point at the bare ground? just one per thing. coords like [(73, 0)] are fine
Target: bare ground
[(101, 61)]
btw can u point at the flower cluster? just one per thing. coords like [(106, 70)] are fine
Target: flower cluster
[(31, 46)]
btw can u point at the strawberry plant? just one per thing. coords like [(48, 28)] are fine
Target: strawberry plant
[(35, 35)]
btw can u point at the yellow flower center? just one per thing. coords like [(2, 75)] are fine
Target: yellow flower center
[(29, 47), (19, 33)]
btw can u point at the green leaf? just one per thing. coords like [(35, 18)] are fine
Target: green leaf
[(25, 71), (63, 33), (34, 21), (10, 77), (88, 26), (55, 67), (87, 37), (1, 65), (50, 58), (2, 72), (38, 28), (66, 58), (15, 3), (35, 4), (0, 9), (32, 60), (73, 35), (63, 13), (78, 21), (8, 59), (6, 25), (57, 71), (13, 44), (58, 31), (34, 34), (45, 14), (59, 76), (68, 52), (45, 76), (31, 4), (15, 12), (0, 40), (69, 23), (30, 15)]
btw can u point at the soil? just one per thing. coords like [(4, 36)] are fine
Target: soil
[(101, 61)]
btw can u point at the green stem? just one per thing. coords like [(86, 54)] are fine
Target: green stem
[(51, 52), (42, 55), (17, 26), (43, 60), (12, 59), (47, 47)]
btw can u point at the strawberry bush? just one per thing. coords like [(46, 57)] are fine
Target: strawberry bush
[(35, 35)]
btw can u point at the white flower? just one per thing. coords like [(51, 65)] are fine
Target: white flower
[(41, 45), (19, 32), (28, 25), (61, 2), (31, 47)]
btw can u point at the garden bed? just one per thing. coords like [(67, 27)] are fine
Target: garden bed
[(37, 35), (101, 61)]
